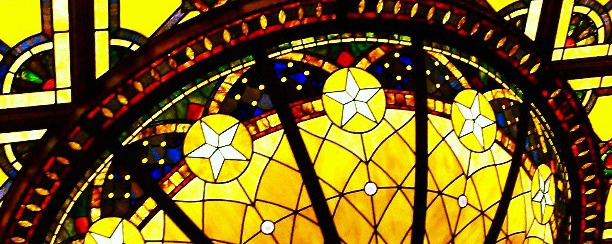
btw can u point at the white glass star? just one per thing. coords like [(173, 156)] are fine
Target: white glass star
[(474, 120), (218, 147), (543, 196), (354, 99), (115, 238)]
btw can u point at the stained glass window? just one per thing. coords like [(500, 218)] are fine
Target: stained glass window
[(367, 121)]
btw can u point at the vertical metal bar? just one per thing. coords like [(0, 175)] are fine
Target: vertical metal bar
[(421, 167)]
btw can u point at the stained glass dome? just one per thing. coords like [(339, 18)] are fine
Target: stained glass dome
[(319, 122)]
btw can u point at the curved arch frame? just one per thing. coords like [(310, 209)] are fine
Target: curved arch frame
[(87, 136)]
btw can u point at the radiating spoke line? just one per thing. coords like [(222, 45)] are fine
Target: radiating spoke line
[(280, 101), (421, 153), (515, 166), (128, 159)]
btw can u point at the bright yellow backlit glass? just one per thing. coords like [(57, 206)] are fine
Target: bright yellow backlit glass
[(133, 14), (26, 13)]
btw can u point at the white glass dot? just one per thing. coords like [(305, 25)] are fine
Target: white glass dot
[(463, 201), (267, 227), (370, 188)]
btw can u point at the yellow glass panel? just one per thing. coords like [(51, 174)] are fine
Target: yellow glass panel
[(606, 81), (557, 54), (407, 132), (380, 201), (398, 118), (516, 219), (113, 229), (340, 137), (361, 203), (564, 20), (24, 12), (272, 212), (499, 4), (252, 221), (372, 139), (19, 136), (101, 14), (249, 180), (487, 186), (284, 154), (443, 165), (102, 52), (3, 177), (62, 60), (8, 151), (383, 176), (601, 34), (585, 83), (189, 16), (41, 47), (533, 17), (191, 192), (306, 231), (18, 62), (231, 214), (27, 99), (608, 216), (312, 140), (352, 227), (270, 189), (120, 42), (433, 137), (358, 180), (606, 234), (317, 126), (60, 15), (193, 210), (133, 12), (586, 51), (267, 145), (333, 171), (283, 230), (63, 96), (600, 117), (392, 224), (230, 191), (172, 232), (539, 231), (438, 226)]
